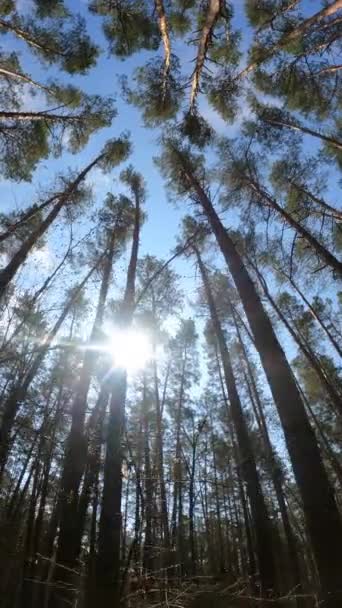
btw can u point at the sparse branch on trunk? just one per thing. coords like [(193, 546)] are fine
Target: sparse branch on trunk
[(213, 13), (296, 126), (38, 116), (24, 78), (298, 31), (8, 273), (27, 37), (165, 36), (27, 216), (329, 209), (328, 257)]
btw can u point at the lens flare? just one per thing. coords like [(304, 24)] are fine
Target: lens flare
[(131, 349)]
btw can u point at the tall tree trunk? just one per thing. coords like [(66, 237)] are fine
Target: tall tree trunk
[(165, 36), (220, 543), (321, 513), (303, 27), (148, 548), (251, 564), (26, 216), (90, 575), (39, 488), (75, 459), (135, 550), (323, 439), (275, 473), (94, 441), (108, 558), (16, 491), (160, 448), (177, 511), (298, 31), (192, 499), (26, 583), (107, 585), (212, 15), (276, 476), (261, 521)]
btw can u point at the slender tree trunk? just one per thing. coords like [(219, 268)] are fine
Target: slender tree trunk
[(160, 453), (213, 12), (315, 315), (276, 478), (24, 35), (303, 27), (16, 491), (323, 439), (165, 36), (39, 116), (251, 564), (177, 511), (332, 211), (6, 72), (26, 583), (217, 507), (39, 487), (180, 522), (192, 532), (38, 527), (21, 498), (94, 440), (75, 459), (26, 216), (334, 396), (293, 35), (17, 396), (107, 588), (125, 522), (135, 550), (261, 522), (89, 589), (321, 251), (277, 484), (296, 126), (148, 548), (8, 273), (230, 552), (108, 558)]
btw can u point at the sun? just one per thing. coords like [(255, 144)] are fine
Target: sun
[(131, 349)]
